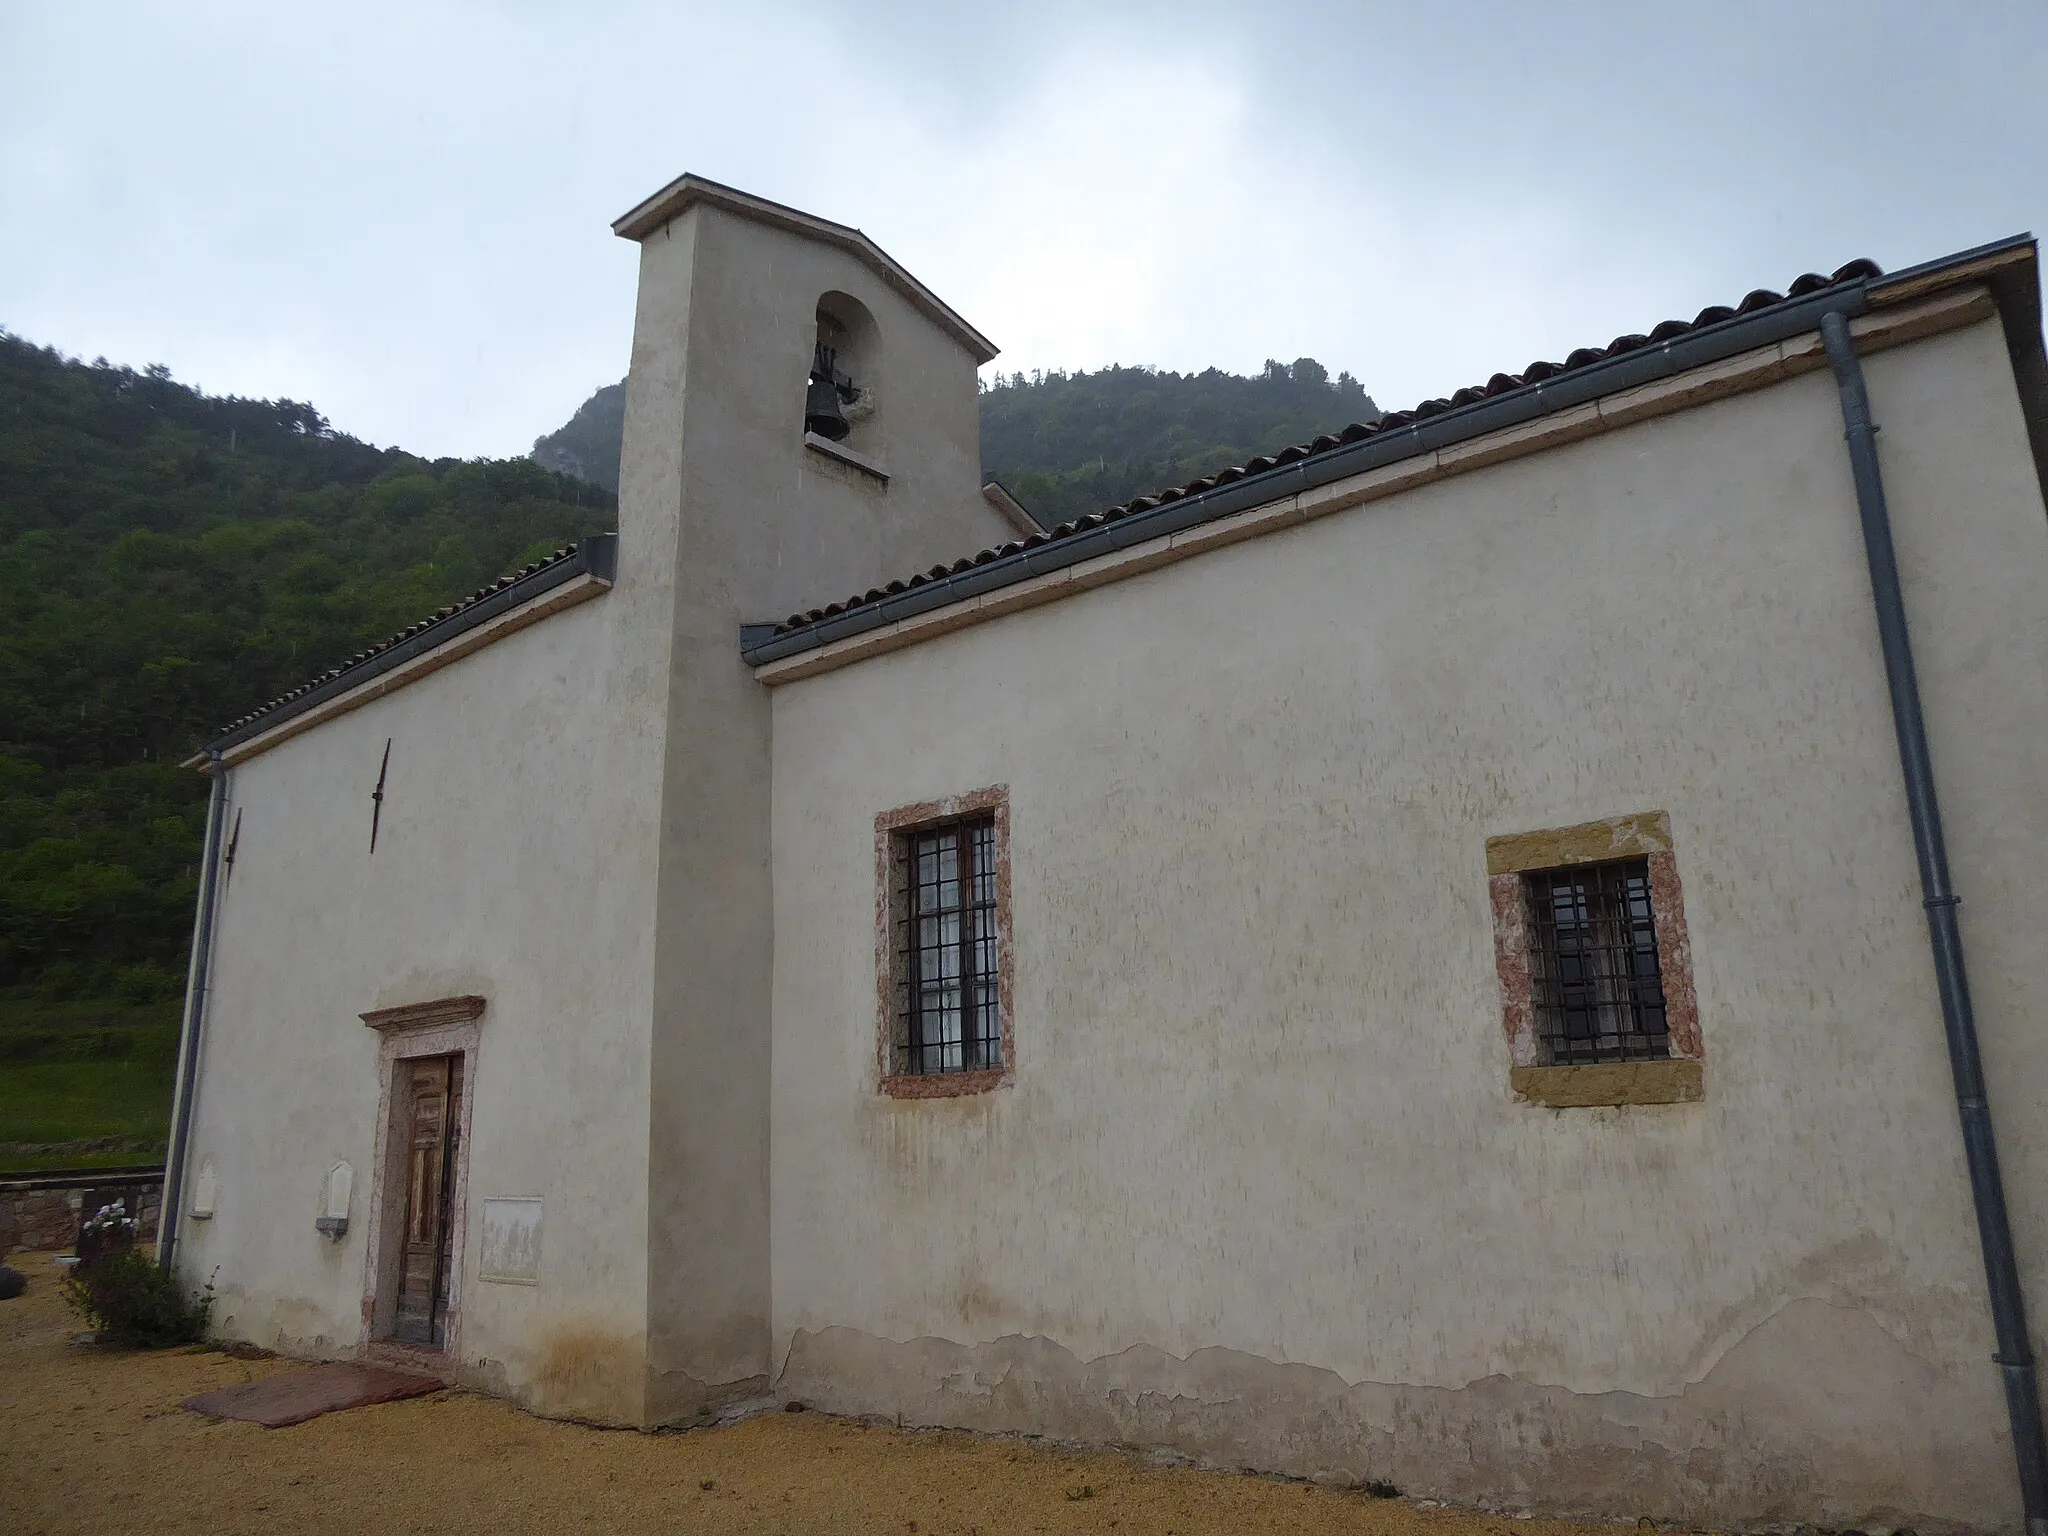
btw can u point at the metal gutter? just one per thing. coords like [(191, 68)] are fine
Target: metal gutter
[(195, 1015), (2009, 270), (1979, 262), (597, 556), (1980, 1148), (2006, 265), (1657, 360)]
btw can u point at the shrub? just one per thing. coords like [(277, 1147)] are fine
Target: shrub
[(110, 1232), (132, 1301), (147, 983)]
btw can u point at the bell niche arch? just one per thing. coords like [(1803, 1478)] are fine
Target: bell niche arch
[(842, 402)]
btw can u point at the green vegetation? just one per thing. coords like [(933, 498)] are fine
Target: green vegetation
[(133, 1303), (59, 1104), (1069, 444), (587, 445), (169, 559)]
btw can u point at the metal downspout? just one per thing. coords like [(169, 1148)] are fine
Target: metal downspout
[(195, 1013), (2001, 1270)]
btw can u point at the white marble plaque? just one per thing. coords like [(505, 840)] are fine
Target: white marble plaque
[(205, 1190), (511, 1242), (334, 1194)]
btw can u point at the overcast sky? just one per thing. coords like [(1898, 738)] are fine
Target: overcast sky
[(400, 212)]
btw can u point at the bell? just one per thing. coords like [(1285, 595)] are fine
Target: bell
[(822, 414)]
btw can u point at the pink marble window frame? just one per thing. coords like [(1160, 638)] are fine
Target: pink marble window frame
[(891, 827), (1513, 924)]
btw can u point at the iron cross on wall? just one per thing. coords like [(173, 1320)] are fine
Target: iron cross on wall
[(377, 794)]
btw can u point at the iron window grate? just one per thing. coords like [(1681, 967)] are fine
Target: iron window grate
[(949, 1002), (1595, 980)]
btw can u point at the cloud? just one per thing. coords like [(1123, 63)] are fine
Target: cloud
[(400, 211)]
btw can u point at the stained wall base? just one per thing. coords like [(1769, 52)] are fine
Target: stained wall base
[(1818, 1417)]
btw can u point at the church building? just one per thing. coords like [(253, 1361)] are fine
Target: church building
[(1499, 951)]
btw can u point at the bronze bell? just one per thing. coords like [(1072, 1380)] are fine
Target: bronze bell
[(822, 414), (830, 390)]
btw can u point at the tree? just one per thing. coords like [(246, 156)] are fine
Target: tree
[(169, 559)]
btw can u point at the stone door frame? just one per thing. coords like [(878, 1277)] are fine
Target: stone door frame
[(448, 1026)]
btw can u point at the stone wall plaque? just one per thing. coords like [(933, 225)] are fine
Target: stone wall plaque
[(205, 1191), (334, 1197), (511, 1242)]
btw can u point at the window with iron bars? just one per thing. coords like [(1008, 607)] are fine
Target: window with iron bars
[(1596, 986), (949, 1003)]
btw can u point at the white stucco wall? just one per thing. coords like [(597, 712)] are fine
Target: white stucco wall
[(714, 446), (513, 861), (1261, 1116), (577, 829)]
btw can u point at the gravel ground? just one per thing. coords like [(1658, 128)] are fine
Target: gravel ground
[(92, 1440)]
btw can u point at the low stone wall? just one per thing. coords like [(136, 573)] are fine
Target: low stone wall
[(42, 1211)]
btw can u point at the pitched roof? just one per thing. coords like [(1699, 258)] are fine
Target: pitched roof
[(1537, 375), (596, 556), (2008, 269), (672, 200)]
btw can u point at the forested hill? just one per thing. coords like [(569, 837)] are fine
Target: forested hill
[(587, 444), (169, 559), (1069, 444)]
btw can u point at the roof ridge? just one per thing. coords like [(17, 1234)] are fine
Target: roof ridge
[(1500, 383), (441, 617), (652, 213)]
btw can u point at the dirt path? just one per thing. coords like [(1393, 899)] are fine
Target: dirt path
[(91, 1441)]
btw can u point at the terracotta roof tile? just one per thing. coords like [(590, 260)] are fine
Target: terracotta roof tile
[(440, 616), (1500, 383)]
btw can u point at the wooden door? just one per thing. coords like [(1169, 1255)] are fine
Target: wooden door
[(432, 1086)]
